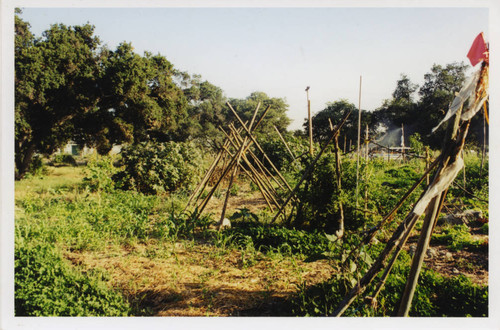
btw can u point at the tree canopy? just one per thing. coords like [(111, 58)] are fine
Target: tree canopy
[(69, 87), (55, 83)]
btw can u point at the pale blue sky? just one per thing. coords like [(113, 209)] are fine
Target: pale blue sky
[(280, 51)]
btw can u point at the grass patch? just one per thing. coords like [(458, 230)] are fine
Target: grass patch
[(45, 285)]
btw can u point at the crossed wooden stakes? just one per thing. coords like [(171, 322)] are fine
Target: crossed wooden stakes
[(234, 155)]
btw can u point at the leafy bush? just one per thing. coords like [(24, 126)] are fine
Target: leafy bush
[(63, 159), (37, 167), (98, 173), (46, 286), (319, 202), (416, 143), (154, 168), (277, 152)]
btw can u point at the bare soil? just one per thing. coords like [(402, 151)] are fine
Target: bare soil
[(472, 264)]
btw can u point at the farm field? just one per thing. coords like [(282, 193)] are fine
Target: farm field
[(138, 254), (143, 189)]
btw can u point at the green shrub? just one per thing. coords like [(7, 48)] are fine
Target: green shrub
[(63, 159), (98, 173), (46, 286), (37, 166), (319, 202), (154, 168)]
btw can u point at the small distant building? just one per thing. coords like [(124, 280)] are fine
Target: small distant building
[(391, 153), (75, 149)]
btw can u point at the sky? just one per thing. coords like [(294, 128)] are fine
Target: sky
[(281, 51)]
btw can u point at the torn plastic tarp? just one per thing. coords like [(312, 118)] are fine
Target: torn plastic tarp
[(480, 97), (443, 182), (467, 91)]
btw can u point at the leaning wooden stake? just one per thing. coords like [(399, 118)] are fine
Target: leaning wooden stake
[(284, 142), (442, 179), (452, 149), (263, 184), (360, 287), (263, 170), (267, 195), (201, 186), (418, 259)]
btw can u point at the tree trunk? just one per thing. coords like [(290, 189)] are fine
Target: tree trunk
[(23, 160)]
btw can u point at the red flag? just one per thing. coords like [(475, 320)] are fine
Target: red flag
[(478, 50)]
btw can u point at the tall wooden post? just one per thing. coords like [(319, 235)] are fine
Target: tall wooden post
[(403, 141), (366, 143), (340, 231), (311, 149), (427, 161), (359, 138)]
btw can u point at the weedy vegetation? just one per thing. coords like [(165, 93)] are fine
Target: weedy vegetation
[(70, 217)]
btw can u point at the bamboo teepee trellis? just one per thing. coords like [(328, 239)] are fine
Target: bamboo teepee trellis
[(236, 148)]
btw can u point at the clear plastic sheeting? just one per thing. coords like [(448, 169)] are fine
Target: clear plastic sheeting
[(437, 187), (467, 91), (480, 97)]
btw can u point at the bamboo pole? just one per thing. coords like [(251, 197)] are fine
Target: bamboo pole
[(423, 243), (358, 144), (452, 148), (360, 287), (284, 142), (370, 234), (418, 258), (201, 186), (226, 168), (311, 150), (339, 184)]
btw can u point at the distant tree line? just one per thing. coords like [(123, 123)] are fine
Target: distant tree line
[(418, 109), (70, 87)]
